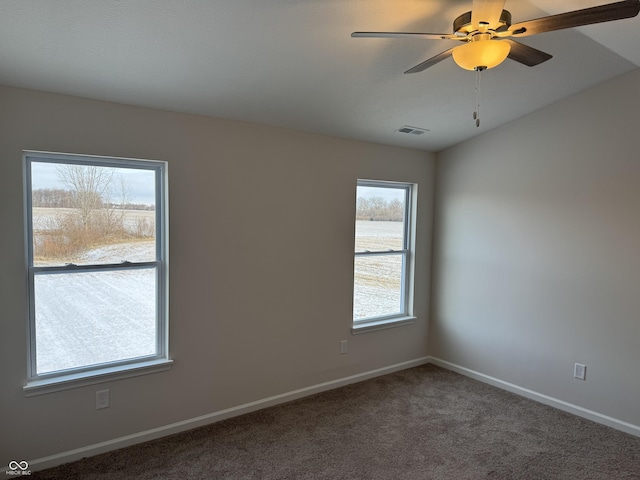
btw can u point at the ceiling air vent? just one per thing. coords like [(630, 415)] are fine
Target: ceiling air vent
[(412, 130)]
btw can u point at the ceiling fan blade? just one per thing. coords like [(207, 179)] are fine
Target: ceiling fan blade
[(425, 36), (577, 18), (525, 54), (486, 11), (431, 62)]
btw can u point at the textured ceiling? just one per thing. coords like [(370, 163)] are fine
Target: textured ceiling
[(292, 63)]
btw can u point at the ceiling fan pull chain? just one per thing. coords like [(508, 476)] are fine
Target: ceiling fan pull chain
[(475, 106), (476, 113)]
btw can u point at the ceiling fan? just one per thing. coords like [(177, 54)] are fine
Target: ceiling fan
[(487, 28), (487, 35)]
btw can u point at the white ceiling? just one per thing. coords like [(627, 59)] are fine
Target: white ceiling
[(292, 63)]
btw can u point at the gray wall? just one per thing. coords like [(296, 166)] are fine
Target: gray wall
[(537, 251), (261, 265)]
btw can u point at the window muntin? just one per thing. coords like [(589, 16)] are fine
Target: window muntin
[(96, 263), (382, 251)]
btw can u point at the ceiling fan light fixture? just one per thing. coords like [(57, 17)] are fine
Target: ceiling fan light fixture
[(483, 53)]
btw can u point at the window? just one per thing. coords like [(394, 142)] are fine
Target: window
[(96, 267), (383, 255)]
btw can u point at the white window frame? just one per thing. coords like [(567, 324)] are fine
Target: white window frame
[(92, 374), (405, 316)]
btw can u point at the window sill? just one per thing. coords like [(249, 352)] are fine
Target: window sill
[(382, 324), (74, 380)]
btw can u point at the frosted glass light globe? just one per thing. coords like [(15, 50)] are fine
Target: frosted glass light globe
[(483, 53)]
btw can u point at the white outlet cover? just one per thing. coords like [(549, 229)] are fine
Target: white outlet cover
[(580, 371), (102, 399)]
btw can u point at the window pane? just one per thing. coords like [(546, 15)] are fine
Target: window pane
[(91, 214), (89, 318), (379, 236), (380, 218), (377, 286)]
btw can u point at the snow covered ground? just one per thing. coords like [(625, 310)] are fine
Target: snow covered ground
[(377, 279), (377, 286), (131, 251), (89, 318)]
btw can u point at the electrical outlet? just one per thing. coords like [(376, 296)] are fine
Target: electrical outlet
[(343, 347), (102, 399), (580, 371)]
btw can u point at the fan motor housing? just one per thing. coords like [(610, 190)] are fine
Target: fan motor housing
[(462, 24)]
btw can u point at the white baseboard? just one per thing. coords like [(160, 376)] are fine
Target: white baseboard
[(539, 397), (140, 437)]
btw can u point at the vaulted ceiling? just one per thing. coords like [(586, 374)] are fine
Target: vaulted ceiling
[(293, 64)]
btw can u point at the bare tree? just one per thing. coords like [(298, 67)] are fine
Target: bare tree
[(378, 209), (51, 197), (89, 185), (396, 210), (115, 205)]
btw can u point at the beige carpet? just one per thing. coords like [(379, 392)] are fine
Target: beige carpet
[(421, 423)]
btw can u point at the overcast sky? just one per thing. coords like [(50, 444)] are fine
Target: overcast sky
[(387, 193)]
